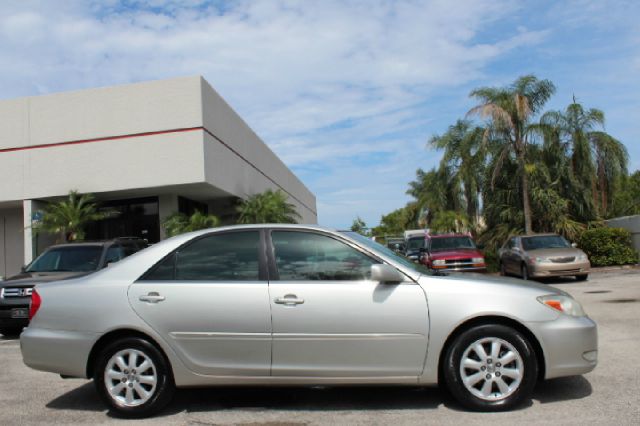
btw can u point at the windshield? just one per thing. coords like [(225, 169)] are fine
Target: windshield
[(67, 259), (416, 243), (544, 241), (389, 253), (451, 243)]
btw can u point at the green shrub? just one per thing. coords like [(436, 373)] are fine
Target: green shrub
[(491, 259), (608, 246)]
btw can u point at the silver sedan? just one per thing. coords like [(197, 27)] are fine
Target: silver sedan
[(300, 305)]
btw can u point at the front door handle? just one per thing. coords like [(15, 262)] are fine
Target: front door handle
[(289, 299), (151, 297)]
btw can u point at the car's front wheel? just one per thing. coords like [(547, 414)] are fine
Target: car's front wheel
[(490, 368), (524, 272), (133, 378), (503, 269)]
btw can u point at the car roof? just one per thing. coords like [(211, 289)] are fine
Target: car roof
[(449, 235), (264, 226), (76, 244), (99, 243)]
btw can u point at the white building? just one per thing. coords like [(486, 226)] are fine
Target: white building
[(146, 149)]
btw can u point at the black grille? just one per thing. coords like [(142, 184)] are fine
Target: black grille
[(10, 292), (567, 259)]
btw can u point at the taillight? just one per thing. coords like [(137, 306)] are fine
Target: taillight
[(36, 301)]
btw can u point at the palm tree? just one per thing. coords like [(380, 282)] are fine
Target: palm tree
[(436, 190), (597, 159), (464, 154), (626, 199), (268, 207), (179, 223), (360, 226), (69, 217), (511, 111), (611, 160), (449, 221)]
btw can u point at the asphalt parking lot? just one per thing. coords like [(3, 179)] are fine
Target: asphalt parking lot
[(608, 395)]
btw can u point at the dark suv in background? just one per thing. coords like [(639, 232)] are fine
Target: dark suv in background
[(59, 262)]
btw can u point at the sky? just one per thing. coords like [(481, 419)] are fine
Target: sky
[(346, 93)]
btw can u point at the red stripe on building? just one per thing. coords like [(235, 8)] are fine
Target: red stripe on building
[(159, 132), (102, 139)]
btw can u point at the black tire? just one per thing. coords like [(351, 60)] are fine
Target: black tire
[(161, 394), (503, 270), (11, 331), (452, 372), (524, 272), (582, 277)]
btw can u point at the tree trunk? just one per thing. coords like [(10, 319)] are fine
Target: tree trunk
[(603, 189), (471, 204), (525, 192)]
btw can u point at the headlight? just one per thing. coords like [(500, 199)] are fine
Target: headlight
[(581, 257), (564, 304), (439, 262), (477, 260)]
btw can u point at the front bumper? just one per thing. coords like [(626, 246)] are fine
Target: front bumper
[(57, 351), (541, 270), (570, 345), (462, 269), (8, 319)]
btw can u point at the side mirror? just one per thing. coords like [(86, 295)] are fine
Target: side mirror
[(385, 274)]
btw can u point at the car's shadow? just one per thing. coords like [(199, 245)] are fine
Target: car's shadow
[(562, 389), (85, 398), (558, 280), (549, 280), (9, 337)]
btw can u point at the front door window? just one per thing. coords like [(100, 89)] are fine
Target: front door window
[(307, 256)]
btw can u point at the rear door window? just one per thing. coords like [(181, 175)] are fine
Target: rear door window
[(230, 256)]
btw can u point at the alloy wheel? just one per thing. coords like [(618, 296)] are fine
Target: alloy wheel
[(130, 378), (491, 369)]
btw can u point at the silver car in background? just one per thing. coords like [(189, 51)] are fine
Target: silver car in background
[(543, 256), (300, 305)]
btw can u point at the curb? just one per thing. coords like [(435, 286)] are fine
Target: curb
[(615, 268)]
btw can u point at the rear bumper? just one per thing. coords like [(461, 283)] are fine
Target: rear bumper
[(6, 319), (570, 345), (55, 351)]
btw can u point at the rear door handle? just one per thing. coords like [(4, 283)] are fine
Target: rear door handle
[(152, 297), (289, 299)]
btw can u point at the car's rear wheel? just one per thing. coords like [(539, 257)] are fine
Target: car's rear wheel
[(524, 272), (582, 277), (490, 368), (133, 378)]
